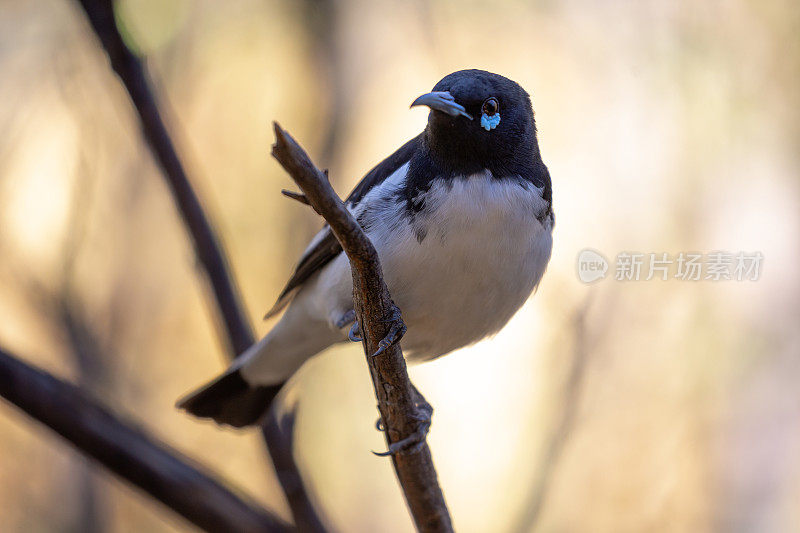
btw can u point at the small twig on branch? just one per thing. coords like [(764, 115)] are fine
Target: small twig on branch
[(129, 452), (404, 420), (295, 196), (239, 333)]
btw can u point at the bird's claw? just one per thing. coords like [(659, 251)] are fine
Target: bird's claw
[(414, 442), (396, 332), (355, 332)]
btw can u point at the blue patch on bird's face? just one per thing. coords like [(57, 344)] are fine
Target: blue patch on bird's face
[(490, 123)]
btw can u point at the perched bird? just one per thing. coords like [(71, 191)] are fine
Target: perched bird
[(461, 217)]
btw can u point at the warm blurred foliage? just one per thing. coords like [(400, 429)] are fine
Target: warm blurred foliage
[(667, 127)]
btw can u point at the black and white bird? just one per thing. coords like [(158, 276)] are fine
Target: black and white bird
[(462, 219)]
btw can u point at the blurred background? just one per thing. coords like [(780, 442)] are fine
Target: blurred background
[(612, 407)]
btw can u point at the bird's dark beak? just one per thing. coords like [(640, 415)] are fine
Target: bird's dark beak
[(442, 101)]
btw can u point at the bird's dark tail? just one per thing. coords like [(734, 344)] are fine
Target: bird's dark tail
[(230, 400)]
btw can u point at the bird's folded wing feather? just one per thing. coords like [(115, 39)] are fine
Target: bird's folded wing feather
[(324, 247)]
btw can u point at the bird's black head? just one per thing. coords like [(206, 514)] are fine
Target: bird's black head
[(480, 120)]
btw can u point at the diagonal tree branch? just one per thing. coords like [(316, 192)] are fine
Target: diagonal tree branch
[(206, 244), (404, 419), (128, 452), (207, 247)]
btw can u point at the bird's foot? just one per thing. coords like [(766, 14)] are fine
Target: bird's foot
[(414, 442), (396, 331), (423, 413), (425, 407)]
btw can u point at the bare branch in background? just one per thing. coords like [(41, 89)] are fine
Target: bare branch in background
[(404, 420), (322, 19), (279, 432), (129, 453), (84, 342), (569, 409), (206, 244)]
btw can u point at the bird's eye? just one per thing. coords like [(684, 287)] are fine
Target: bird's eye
[(490, 107)]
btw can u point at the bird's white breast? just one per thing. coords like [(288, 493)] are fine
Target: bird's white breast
[(464, 264)]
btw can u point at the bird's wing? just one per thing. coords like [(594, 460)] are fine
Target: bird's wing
[(386, 168), (324, 246)]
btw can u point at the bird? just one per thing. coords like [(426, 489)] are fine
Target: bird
[(462, 219)]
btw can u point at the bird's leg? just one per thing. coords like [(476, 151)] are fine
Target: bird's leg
[(346, 319), (421, 403), (423, 413), (396, 331), (355, 332)]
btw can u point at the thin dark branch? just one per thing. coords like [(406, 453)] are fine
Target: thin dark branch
[(206, 244), (398, 401), (279, 432), (569, 403), (128, 452)]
